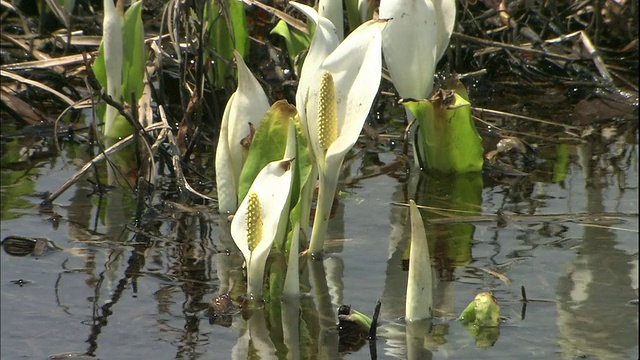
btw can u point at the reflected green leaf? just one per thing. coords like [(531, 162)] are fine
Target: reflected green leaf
[(561, 164)]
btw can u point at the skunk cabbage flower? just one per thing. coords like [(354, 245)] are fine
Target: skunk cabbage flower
[(255, 224), (243, 113), (446, 18), (412, 64), (334, 97), (332, 10)]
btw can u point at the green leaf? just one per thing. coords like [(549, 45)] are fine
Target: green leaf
[(451, 141), (134, 53), (362, 320), (302, 167), (269, 143), (353, 13), (227, 30), (296, 40), (481, 318), (468, 315), (482, 311), (120, 129), (98, 67)]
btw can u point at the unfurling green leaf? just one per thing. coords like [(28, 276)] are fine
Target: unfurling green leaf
[(482, 311), (134, 54), (451, 141)]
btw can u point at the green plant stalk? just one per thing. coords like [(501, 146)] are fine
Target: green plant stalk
[(125, 74), (326, 193), (303, 186)]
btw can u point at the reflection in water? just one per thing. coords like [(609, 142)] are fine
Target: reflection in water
[(450, 247), (163, 276), (596, 317)]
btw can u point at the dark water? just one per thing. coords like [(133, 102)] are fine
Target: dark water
[(114, 294)]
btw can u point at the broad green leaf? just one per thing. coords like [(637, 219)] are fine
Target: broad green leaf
[(134, 53), (239, 26), (227, 31), (120, 129), (269, 143), (452, 143), (296, 40), (98, 67)]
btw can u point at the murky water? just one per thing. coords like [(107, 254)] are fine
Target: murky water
[(108, 292)]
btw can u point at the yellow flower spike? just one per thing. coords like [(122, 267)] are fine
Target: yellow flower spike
[(254, 221), (255, 225), (355, 71), (327, 112)]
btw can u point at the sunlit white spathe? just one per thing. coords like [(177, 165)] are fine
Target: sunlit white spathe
[(355, 66), (272, 185), (412, 64), (332, 10), (247, 105)]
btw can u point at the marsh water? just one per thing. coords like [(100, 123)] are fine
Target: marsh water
[(98, 287)]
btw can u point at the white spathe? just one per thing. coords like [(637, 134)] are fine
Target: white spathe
[(247, 105), (271, 185), (446, 19), (324, 41), (411, 64), (332, 10), (113, 58), (355, 67)]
